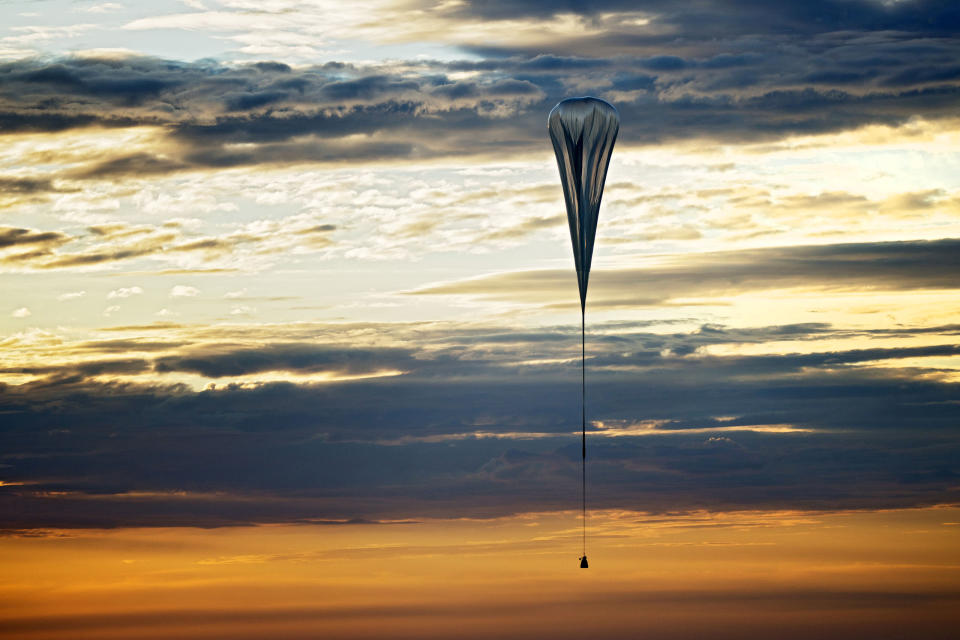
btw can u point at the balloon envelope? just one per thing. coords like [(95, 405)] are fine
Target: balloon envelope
[(583, 131)]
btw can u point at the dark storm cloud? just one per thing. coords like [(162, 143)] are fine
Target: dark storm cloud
[(731, 71), (109, 454), (883, 265)]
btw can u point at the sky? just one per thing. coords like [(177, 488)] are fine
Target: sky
[(291, 282)]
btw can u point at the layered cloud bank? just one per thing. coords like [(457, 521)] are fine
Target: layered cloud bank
[(309, 280), (827, 67), (210, 116), (454, 421)]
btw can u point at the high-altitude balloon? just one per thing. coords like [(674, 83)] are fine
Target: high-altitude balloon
[(583, 131)]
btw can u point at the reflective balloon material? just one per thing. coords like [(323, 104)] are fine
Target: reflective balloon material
[(583, 131)]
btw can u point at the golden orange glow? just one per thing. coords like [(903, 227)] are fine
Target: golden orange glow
[(674, 576)]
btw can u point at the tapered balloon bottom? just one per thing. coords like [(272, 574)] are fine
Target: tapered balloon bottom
[(583, 562)]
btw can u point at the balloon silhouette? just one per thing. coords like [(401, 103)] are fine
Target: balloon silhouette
[(583, 131)]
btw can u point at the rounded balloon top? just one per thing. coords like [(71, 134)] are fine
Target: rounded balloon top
[(573, 110)]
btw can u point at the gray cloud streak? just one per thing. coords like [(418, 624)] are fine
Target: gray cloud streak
[(881, 266)]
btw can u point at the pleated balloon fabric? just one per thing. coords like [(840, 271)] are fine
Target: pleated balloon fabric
[(583, 131)]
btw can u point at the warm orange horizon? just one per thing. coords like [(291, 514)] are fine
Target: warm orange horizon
[(783, 574)]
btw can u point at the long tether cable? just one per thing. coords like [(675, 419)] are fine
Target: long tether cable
[(583, 422)]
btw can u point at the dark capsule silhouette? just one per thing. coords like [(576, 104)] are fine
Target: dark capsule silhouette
[(583, 562)]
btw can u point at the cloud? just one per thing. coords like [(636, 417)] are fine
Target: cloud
[(104, 347), (305, 358), (28, 37), (728, 19), (22, 312), (795, 80), (125, 292), (105, 245), (71, 295), (107, 254), (37, 244), (18, 191), (103, 7), (184, 291), (480, 424), (864, 266), (168, 242), (25, 185)]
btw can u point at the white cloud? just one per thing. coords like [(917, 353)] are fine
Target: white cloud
[(71, 295), (111, 310), (236, 294), (242, 310), (103, 7), (165, 313), (184, 291), (39, 35), (124, 292), (22, 312)]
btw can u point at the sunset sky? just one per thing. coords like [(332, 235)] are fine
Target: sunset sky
[(289, 324)]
